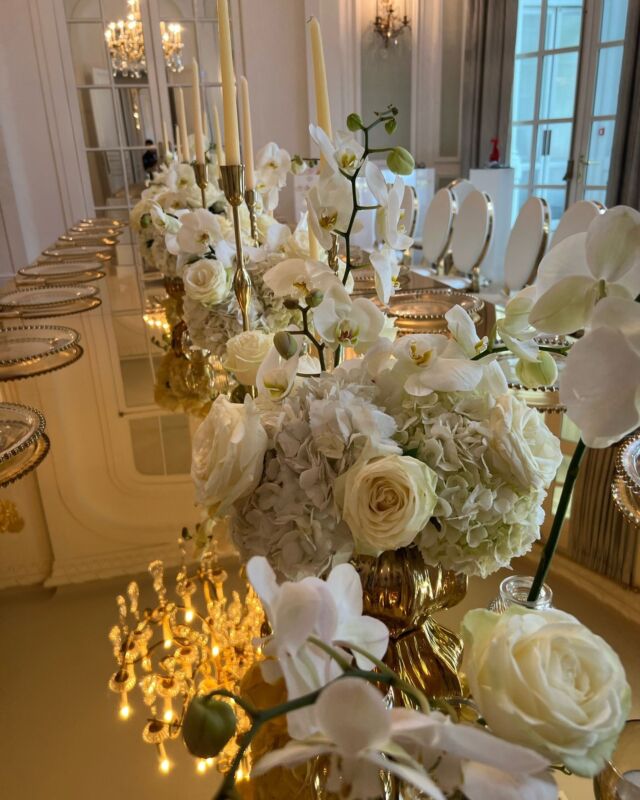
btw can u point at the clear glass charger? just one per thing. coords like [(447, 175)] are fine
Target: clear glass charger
[(45, 297), (100, 222), (77, 253), (32, 350), (23, 443), (626, 500), (62, 272), (542, 398)]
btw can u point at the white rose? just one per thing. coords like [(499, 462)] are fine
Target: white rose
[(245, 354), (228, 453), (386, 501), (543, 680), (206, 281), (521, 446)]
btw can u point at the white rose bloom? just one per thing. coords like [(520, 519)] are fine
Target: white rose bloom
[(228, 453), (543, 680), (523, 449), (207, 281), (386, 501), (245, 354)]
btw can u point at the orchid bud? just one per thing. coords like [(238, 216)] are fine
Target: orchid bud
[(285, 344), (208, 726), (313, 299), (535, 374), (390, 125), (400, 161), (354, 122), (291, 303), (145, 220)]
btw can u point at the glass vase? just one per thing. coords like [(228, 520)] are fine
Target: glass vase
[(514, 591), (620, 779), (404, 592)]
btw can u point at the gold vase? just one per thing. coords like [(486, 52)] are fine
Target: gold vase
[(404, 592)]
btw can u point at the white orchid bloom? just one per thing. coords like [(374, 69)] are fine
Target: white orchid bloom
[(386, 268), (600, 383), (463, 330), (357, 730), (184, 178), (329, 610), (514, 329), (343, 156), (298, 277), (200, 231), (330, 204), (272, 166), (163, 222), (276, 375), (584, 268), (430, 362), (342, 321), (389, 215)]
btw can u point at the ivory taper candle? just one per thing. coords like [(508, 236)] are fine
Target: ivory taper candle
[(219, 148), (247, 135), (165, 136), (231, 139), (198, 133), (182, 126), (323, 111), (178, 148)]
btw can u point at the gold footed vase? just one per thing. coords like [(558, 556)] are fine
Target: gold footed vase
[(405, 593)]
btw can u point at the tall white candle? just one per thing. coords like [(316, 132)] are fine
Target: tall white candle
[(323, 112), (165, 136), (231, 139), (247, 135), (178, 149), (219, 148), (198, 133), (182, 126)]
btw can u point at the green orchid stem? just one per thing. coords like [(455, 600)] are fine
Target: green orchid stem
[(560, 351), (552, 542), (307, 332)]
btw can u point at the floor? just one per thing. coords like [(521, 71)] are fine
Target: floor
[(60, 738)]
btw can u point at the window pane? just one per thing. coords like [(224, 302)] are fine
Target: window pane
[(98, 118), (135, 115), (209, 51), (556, 199), (552, 152), (614, 20), (175, 9), (177, 443), (599, 195), (89, 53), (559, 74), (146, 445), (82, 9), (608, 81), (136, 173), (528, 31), (564, 22), (207, 9), (520, 197), (521, 138), (600, 144), (107, 177), (524, 88)]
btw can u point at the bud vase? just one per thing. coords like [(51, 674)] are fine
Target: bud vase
[(404, 592), (514, 591)]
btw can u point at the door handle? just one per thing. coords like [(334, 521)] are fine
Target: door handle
[(546, 142)]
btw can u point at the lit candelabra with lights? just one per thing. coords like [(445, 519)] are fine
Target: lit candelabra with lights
[(168, 654)]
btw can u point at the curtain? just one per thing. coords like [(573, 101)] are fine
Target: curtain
[(601, 538), (624, 186), (490, 43)]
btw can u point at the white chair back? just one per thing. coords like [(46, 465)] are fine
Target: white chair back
[(576, 219), (527, 244), (472, 232), (409, 207), (438, 226), (461, 188)]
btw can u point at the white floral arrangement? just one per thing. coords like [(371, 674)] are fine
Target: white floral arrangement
[(407, 442), (547, 694)]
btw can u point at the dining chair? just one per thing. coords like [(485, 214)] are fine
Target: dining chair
[(409, 208), (438, 227), (472, 234), (461, 188), (576, 219), (527, 244)]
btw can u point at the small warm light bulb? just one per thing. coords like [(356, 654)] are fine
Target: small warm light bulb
[(215, 651), (188, 615), (163, 762), (166, 632), (209, 762), (165, 766), (168, 710), (201, 766), (124, 712)]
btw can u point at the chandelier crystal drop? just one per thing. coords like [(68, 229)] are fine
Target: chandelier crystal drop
[(388, 22), (125, 40)]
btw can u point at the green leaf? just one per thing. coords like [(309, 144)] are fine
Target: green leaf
[(208, 725)]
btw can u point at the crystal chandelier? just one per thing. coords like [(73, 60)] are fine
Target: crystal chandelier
[(180, 648), (388, 23), (125, 40)]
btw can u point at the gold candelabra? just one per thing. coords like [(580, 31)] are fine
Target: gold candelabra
[(250, 200), (232, 180), (178, 649), (202, 180)]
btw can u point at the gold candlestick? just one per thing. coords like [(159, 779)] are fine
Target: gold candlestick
[(201, 179), (250, 200), (232, 179)]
